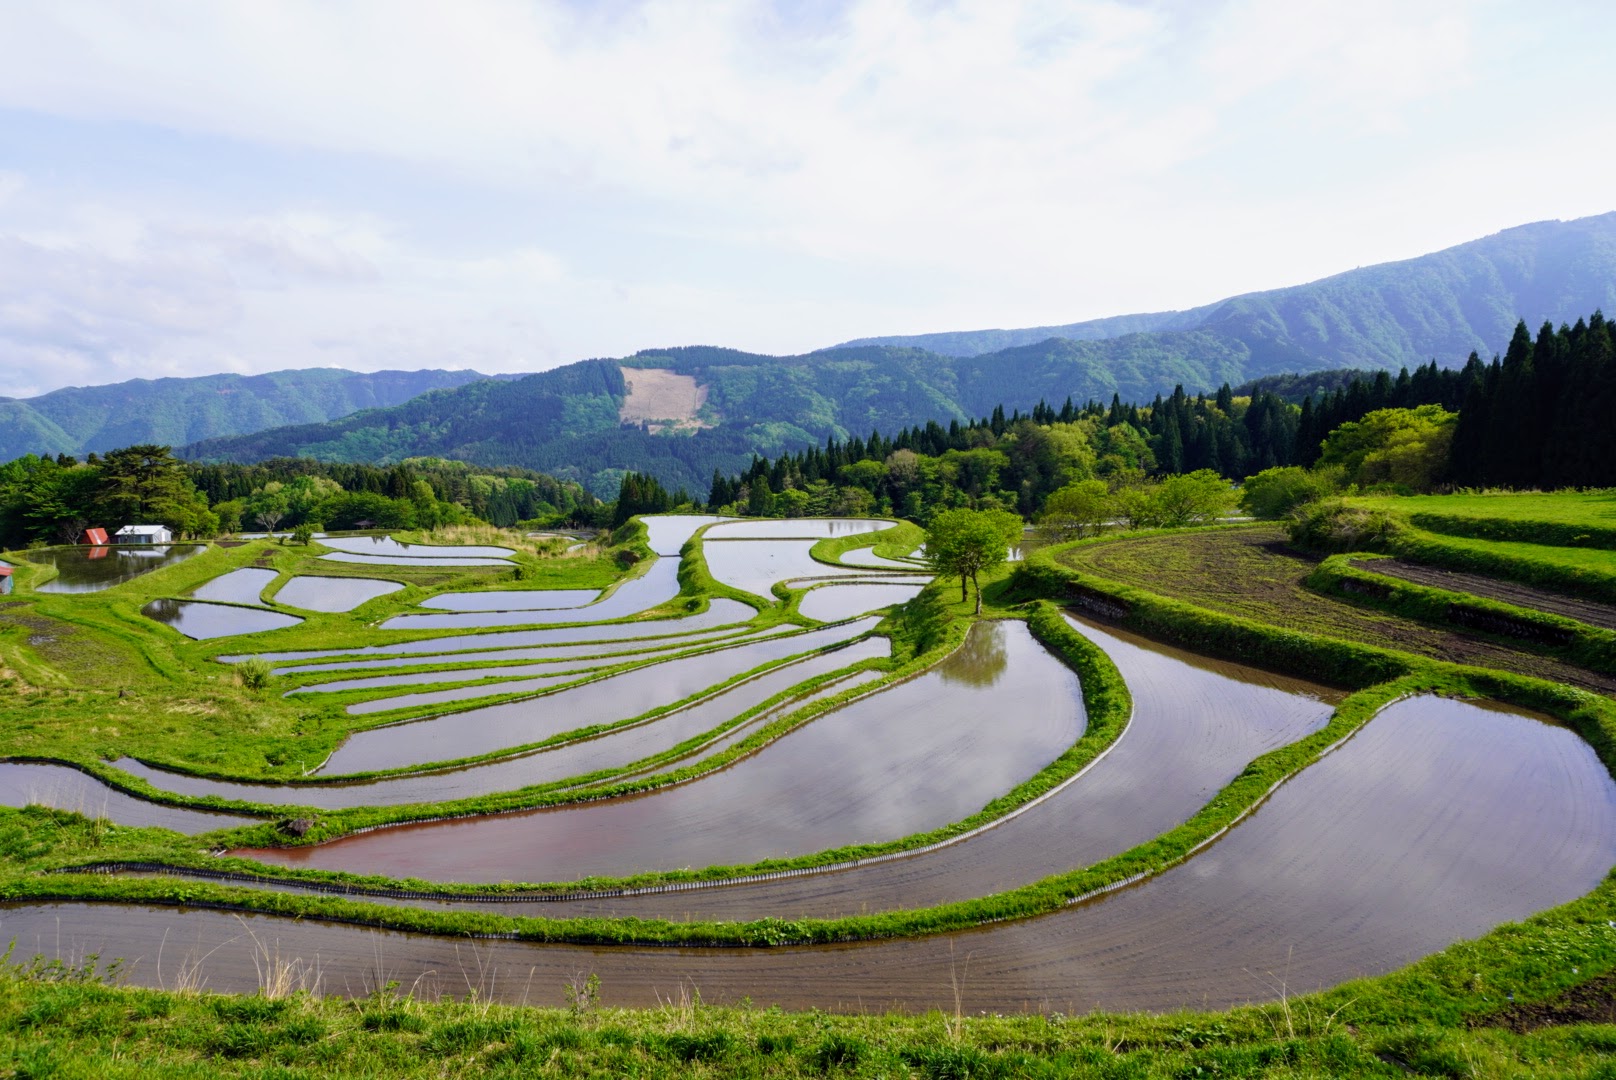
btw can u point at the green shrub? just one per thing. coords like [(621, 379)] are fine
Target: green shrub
[(254, 673), (1337, 525)]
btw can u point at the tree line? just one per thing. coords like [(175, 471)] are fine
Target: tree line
[(54, 499)]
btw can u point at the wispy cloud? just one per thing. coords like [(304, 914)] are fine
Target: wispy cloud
[(544, 181)]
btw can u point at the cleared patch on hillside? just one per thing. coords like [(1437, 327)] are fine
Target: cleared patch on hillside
[(663, 400)]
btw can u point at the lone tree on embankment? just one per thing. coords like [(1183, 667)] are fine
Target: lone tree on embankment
[(966, 542)]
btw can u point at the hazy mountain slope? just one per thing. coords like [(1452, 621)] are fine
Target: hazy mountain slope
[(1441, 305), (76, 420)]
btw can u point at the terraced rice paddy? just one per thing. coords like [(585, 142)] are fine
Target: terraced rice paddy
[(1392, 847), (906, 760), (237, 587), (1252, 572), (92, 569), (1437, 820), (199, 620), (332, 594)]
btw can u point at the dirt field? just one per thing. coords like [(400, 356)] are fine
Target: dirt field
[(664, 399), (1254, 573), (1508, 592)]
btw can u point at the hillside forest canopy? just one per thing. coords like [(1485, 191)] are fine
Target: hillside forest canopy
[(1531, 418)]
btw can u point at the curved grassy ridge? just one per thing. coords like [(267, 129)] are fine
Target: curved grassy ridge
[(697, 581), (1593, 717), (1589, 579), (891, 543), (342, 822), (58, 1020), (1557, 635), (1340, 663), (1520, 530)]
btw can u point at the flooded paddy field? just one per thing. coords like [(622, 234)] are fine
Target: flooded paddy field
[(390, 560), (1438, 821), (719, 613), (92, 569), (551, 654), (614, 750), (387, 547), (64, 788), (237, 587), (755, 566), (656, 586), (618, 697), (200, 620), (1195, 726), (796, 528), (907, 759), (332, 594), (831, 603), (512, 600)]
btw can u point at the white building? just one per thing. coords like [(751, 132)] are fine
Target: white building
[(143, 534)]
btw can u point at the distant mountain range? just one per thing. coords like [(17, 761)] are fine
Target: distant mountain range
[(80, 419), (1437, 306), (681, 413)]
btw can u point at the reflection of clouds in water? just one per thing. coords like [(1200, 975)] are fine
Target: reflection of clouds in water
[(981, 660)]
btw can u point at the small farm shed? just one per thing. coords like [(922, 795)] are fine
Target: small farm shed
[(95, 537), (5, 579), (144, 534)]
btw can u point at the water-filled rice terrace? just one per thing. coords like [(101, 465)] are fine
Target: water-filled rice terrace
[(761, 736)]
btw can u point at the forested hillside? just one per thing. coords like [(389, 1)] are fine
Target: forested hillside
[(1442, 305), (82, 419)]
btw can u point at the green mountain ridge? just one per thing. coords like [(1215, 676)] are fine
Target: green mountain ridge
[(1441, 306), (172, 411)]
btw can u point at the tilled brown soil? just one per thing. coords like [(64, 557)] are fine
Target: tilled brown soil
[(1255, 574), (1594, 1002), (1589, 611)]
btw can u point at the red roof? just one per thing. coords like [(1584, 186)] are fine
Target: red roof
[(5, 571), (95, 536)]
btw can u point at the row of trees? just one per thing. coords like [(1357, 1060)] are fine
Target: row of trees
[(53, 500), (56, 499)]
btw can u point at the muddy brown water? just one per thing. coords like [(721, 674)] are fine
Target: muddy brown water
[(512, 600), (718, 613), (614, 750), (617, 697), (755, 566), (26, 782), (1196, 724), (828, 603), (1437, 822), (200, 620), (237, 587), (915, 757), (332, 594), (91, 569)]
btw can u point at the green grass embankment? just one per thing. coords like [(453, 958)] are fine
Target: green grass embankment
[(892, 543), (1443, 1016), (1555, 635)]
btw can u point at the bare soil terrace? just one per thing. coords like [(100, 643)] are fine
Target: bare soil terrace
[(1255, 574)]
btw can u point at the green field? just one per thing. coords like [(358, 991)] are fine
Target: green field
[(87, 679)]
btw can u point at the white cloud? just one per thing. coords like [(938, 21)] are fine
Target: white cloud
[(743, 173)]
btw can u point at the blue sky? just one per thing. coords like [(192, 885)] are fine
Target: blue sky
[(190, 187)]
